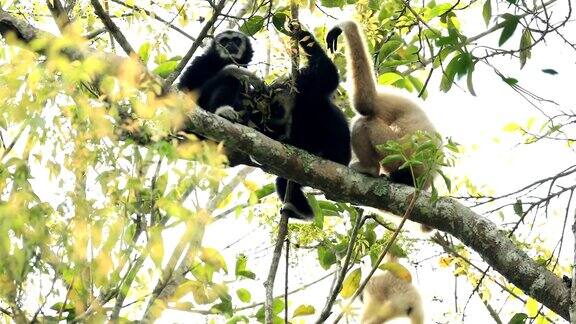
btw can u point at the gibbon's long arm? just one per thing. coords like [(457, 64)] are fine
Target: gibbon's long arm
[(202, 69), (320, 75), (359, 66)]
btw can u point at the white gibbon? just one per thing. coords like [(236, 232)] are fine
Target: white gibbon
[(383, 115), (390, 295)]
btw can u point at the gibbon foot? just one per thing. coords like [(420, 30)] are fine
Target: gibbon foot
[(294, 212), (228, 113), (359, 167)]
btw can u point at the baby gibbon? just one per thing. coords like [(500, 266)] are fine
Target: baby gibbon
[(387, 296)]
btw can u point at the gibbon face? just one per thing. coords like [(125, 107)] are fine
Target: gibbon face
[(281, 105), (234, 46)]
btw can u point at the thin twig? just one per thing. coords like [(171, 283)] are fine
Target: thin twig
[(269, 283), (155, 16), (203, 33), (383, 254), (342, 274)]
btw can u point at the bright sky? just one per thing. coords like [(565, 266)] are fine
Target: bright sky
[(472, 121)]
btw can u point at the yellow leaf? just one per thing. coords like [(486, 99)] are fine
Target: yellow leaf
[(156, 246), (511, 127), (445, 261), (214, 258), (304, 310), (397, 270), (531, 307), (351, 283), (251, 185)]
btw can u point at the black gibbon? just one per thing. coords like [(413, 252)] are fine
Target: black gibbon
[(388, 296), (220, 84), (383, 115), (204, 78), (306, 117)]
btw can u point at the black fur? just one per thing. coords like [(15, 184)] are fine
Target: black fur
[(217, 86), (403, 176), (216, 89), (317, 124)]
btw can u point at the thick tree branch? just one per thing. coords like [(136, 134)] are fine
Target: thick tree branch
[(343, 184)]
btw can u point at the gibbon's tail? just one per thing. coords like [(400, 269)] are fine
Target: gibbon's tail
[(360, 69)]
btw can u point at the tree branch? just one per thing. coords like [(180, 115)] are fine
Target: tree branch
[(343, 184), (155, 16), (59, 13), (112, 28), (203, 33)]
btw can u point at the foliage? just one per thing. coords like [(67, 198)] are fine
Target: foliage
[(105, 204)]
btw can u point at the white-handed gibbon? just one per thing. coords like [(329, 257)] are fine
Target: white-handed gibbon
[(383, 115), (388, 296), (215, 78), (306, 117), (220, 84)]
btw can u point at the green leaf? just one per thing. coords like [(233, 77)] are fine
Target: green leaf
[(277, 305), (389, 48), (279, 21), (510, 23), (518, 318), (374, 4), (304, 310), (510, 81), (318, 213), (418, 85), (252, 25), (487, 11), (244, 295), (144, 52), (165, 68), (550, 71), (238, 319), (326, 257), (389, 78), (438, 10), (241, 268), (333, 3), (351, 283), (525, 43), (225, 307), (458, 67), (265, 191), (392, 158), (447, 180), (246, 274)]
